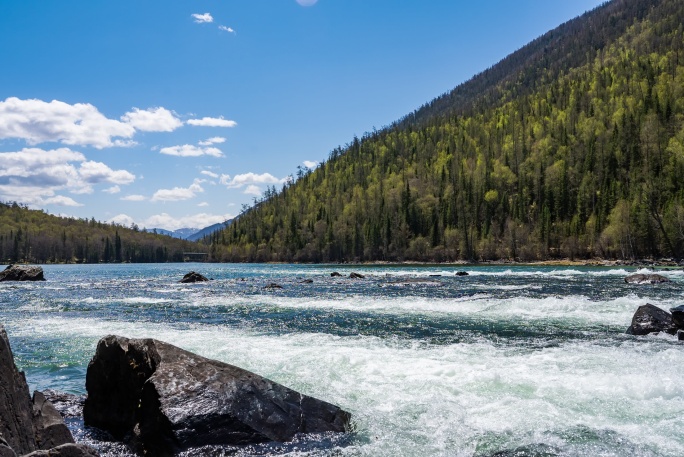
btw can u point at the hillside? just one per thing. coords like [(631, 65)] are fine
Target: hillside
[(571, 147), (35, 236)]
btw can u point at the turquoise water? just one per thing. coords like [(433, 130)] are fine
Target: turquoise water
[(522, 361)]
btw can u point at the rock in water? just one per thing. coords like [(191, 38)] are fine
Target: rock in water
[(462, 273), (356, 276), (678, 316), (162, 399), (646, 279), (651, 319), (25, 425), (335, 274), (66, 450), (193, 277), (22, 273)]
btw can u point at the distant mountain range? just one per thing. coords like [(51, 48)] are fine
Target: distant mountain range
[(191, 234)]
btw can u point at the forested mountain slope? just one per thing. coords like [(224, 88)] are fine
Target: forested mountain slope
[(34, 236), (571, 147)]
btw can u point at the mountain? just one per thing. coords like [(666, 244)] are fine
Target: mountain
[(571, 147), (34, 236), (183, 233), (206, 231)]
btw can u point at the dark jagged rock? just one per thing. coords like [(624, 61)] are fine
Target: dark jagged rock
[(66, 450), (26, 425), (335, 274), (680, 335), (162, 400), (273, 286), (646, 279), (356, 276), (51, 431), (193, 277), (22, 273), (651, 319), (462, 273), (678, 316)]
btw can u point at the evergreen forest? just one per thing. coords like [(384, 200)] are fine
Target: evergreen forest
[(34, 236), (571, 147)]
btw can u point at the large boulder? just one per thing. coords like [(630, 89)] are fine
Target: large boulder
[(22, 273), (193, 277), (26, 424), (646, 279), (161, 399), (651, 319), (66, 450)]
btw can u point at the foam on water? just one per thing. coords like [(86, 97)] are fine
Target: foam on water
[(527, 359)]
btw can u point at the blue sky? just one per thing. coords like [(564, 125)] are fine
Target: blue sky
[(175, 113)]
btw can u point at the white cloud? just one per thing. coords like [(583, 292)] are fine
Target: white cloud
[(169, 222), (205, 18), (203, 204), (96, 172), (178, 193), (307, 2), (212, 122), (310, 164), (61, 200), (250, 178), (152, 120), (214, 140), (226, 29), (33, 175), (134, 198), (36, 121), (122, 219), (189, 150), (112, 190), (211, 174), (252, 190)]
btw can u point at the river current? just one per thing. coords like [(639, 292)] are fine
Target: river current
[(507, 361)]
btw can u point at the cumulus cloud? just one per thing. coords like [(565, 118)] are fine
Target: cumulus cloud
[(310, 164), (33, 175), (178, 193), (226, 29), (252, 190), (212, 122), (152, 120), (134, 198), (211, 174), (189, 150), (250, 178), (214, 140), (61, 200), (168, 222), (112, 190), (205, 18), (36, 121), (202, 204)]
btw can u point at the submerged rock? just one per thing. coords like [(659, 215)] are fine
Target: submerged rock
[(651, 319), (193, 277), (462, 273), (335, 274), (22, 273), (162, 399), (646, 279), (306, 281), (273, 286), (26, 424), (356, 276)]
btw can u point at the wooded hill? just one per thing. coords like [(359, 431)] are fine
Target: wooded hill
[(35, 236), (571, 147)]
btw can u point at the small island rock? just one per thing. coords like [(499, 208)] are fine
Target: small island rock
[(651, 319), (462, 273), (356, 276), (678, 316), (335, 274), (22, 273), (162, 400), (646, 279), (193, 277)]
